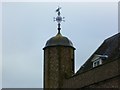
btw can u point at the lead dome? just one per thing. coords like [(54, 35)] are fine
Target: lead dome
[(59, 40)]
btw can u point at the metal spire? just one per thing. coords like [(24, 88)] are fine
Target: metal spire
[(59, 19)]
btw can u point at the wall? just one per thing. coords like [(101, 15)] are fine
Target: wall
[(99, 74)]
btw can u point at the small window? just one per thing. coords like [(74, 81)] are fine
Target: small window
[(97, 62)]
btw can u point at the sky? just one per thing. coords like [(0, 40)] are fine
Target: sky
[(26, 26)]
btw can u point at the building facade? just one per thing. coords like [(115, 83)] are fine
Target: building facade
[(101, 70)]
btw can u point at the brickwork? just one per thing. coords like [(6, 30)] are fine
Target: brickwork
[(95, 75), (109, 83), (58, 65)]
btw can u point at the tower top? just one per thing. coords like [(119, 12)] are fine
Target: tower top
[(59, 40), (59, 19)]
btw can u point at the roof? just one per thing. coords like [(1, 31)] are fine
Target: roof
[(59, 40), (110, 47)]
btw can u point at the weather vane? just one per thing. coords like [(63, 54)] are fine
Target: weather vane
[(59, 19)]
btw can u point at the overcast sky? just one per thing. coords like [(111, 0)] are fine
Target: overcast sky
[(27, 27)]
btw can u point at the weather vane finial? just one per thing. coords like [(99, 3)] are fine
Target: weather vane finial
[(58, 10), (59, 19)]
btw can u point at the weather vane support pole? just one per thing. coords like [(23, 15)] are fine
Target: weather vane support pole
[(59, 19)]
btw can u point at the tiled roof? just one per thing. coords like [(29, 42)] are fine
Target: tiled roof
[(110, 47)]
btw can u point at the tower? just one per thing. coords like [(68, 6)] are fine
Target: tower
[(58, 58)]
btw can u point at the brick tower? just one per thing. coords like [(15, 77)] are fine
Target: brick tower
[(58, 58)]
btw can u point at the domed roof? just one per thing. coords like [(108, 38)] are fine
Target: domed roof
[(59, 40)]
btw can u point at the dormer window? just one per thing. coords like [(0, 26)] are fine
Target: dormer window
[(98, 59), (97, 62)]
